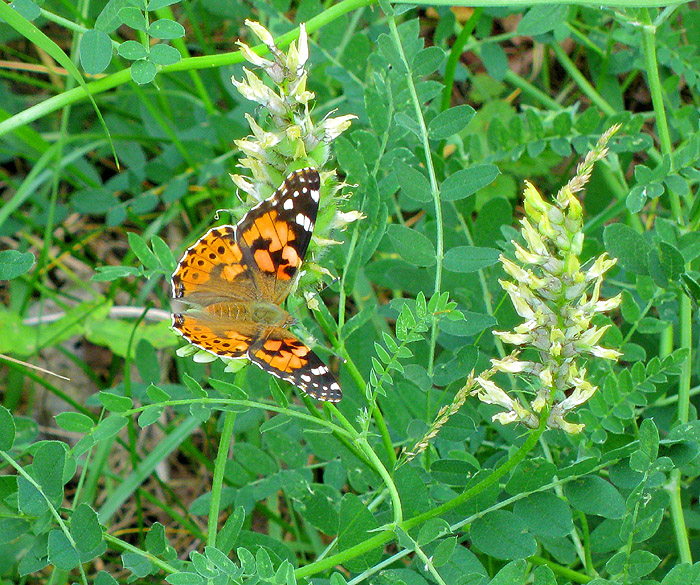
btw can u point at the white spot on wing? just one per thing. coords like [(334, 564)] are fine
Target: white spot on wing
[(288, 204), (304, 222)]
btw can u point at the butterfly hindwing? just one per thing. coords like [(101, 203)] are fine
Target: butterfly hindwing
[(283, 355), (214, 335)]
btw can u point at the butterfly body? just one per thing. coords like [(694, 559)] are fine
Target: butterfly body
[(236, 278)]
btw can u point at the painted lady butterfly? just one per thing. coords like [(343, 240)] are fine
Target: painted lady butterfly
[(236, 277)]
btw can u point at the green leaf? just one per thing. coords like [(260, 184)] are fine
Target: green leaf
[(452, 471), (428, 60), (132, 50), (443, 552), (470, 258), (97, 201), (108, 273), (232, 527), (162, 54), (61, 552), (450, 122), (133, 18), (14, 263), (671, 260), (95, 51), (541, 19), (47, 470), (405, 121), (138, 564), (377, 110), (495, 60), (513, 573), (75, 422), (30, 10), (104, 578), (109, 427), (146, 360), (628, 247), (530, 475), (545, 515), (466, 182), (691, 287), (543, 575), (85, 528), (318, 504), (413, 183), (202, 565), (222, 562), (471, 324), (432, 530), (143, 72), (139, 247), (185, 578), (649, 439), (158, 4), (166, 29), (156, 541), (263, 564), (12, 528), (593, 495), (115, 402), (29, 499), (682, 574), (411, 245), (149, 416), (501, 534), (7, 429), (356, 524)]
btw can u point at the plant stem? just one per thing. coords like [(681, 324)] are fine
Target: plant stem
[(218, 478), (685, 316), (455, 53)]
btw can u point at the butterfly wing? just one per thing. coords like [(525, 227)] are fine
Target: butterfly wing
[(281, 354), (215, 335), (256, 260), (275, 234), (214, 270)]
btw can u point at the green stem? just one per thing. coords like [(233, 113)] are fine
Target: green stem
[(455, 53), (206, 62), (657, 99), (388, 480), (435, 192), (571, 575), (685, 316), (527, 3), (581, 80), (54, 512), (218, 478), (385, 536)]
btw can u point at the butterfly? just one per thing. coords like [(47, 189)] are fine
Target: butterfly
[(237, 277)]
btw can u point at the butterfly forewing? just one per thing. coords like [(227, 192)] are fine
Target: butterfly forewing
[(275, 234)]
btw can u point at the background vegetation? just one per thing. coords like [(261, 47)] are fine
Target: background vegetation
[(145, 467)]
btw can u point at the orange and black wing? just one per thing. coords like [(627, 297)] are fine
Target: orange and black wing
[(215, 335), (274, 235), (214, 270), (281, 354)]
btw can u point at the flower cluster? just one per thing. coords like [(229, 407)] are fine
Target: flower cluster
[(558, 300), (290, 135)]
